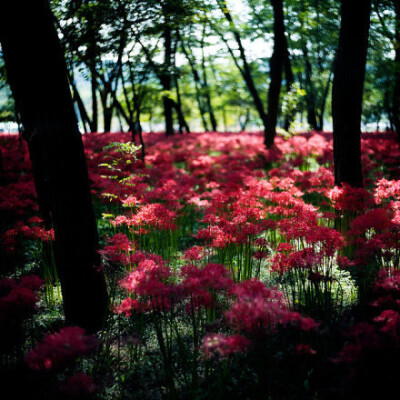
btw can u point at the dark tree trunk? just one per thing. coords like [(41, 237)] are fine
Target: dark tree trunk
[(396, 89), (166, 77), (95, 115), (43, 99), (310, 97), (243, 122), (347, 91), (107, 115), (289, 82), (92, 54), (276, 68), (205, 86), (183, 125), (388, 107)]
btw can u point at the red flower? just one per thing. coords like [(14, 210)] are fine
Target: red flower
[(60, 348), (219, 345), (78, 385)]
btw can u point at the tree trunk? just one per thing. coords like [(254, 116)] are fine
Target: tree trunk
[(347, 91), (95, 115), (276, 68), (388, 107), (310, 97), (289, 83), (107, 115), (92, 54), (245, 69), (396, 89), (323, 104), (166, 77), (197, 82), (43, 99), (205, 87), (183, 125), (81, 106)]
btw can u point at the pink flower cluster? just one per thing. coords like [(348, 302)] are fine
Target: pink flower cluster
[(258, 310), (151, 283), (220, 345)]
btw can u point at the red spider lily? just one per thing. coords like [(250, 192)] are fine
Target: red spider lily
[(118, 251), (220, 345), (127, 306), (387, 190), (78, 386), (202, 284), (258, 310), (348, 198), (151, 283), (304, 349), (18, 300), (155, 215), (377, 219), (195, 253), (59, 349)]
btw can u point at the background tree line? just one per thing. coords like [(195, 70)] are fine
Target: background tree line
[(195, 64)]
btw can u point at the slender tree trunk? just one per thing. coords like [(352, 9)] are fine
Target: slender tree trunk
[(92, 54), (388, 107), (245, 69), (243, 122), (178, 103), (347, 91), (166, 77), (43, 99), (310, 97), (289, 83), (95, 115), (276, 68), (323, 104), (205, 86), (108, 107), (107, 115), (82, 110), (128, 118), (178, 106), (396, 89), (197, 82)]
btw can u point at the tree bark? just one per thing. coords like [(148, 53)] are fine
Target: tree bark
[(347, 91), (183, 125), (276, 68), (43, 99), (92, 54), (289, 82), (205, 86), (166, 76), (310, 96)]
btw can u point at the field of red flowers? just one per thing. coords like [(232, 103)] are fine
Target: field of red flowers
[(233, 271)]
